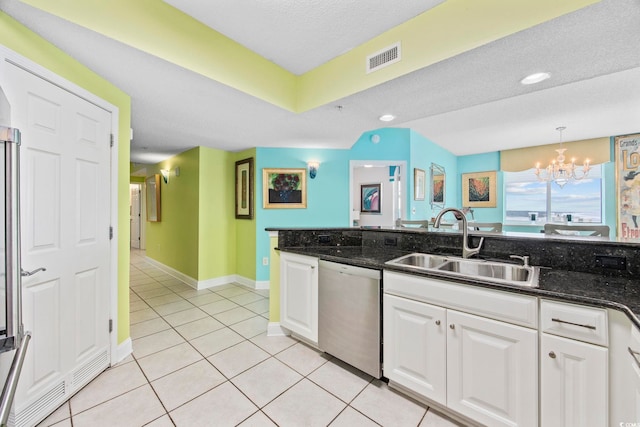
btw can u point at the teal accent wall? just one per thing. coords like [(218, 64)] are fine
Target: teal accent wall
[(423, 153), (481, 163), (328, 193)]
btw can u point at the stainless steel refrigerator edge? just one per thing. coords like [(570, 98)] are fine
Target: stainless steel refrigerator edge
[(349, 316), (12, 335)]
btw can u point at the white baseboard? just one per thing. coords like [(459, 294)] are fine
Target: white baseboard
[(209, 283), (123, 350), (263, 284), (275, 330), (173, 272), (215, 282)]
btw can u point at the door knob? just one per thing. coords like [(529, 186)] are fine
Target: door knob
[(32, 272)]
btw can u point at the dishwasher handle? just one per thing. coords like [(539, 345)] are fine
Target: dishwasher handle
[(351, 270)]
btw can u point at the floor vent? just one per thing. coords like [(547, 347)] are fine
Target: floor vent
[(387, 56), (90, 370), (37, 409)]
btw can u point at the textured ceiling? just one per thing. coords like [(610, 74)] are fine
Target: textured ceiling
[(301, 35), (468, 104)]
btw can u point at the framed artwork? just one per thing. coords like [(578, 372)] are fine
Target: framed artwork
[(627, 151), (370, 198), (152, 197), (284, 188), (479, 189), (419, 178), (437, 186), (244, 189)]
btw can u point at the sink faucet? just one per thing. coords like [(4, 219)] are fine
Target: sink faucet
[(466, 250)]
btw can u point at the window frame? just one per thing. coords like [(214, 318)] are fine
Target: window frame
[(548, 213)]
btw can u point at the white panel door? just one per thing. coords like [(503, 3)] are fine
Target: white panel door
[(299, 295), (573, 382), (492, 374), (65, 193), (134, 212), (415, 348)]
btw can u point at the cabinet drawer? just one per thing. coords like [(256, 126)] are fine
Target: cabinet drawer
[(509, 307), (574, 321)]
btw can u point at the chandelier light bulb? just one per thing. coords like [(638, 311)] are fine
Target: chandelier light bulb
[(560, 172)]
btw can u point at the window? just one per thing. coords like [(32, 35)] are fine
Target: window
[(525, 195)]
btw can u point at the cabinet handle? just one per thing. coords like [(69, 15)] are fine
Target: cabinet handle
[(438, 322), (552, 355), (312, 266), (574, 324), (452, 326), (635, 355)]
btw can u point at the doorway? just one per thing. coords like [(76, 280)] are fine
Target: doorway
[(390, 174), (135, 219)]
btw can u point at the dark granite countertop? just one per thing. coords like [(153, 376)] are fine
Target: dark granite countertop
[(620, 293)]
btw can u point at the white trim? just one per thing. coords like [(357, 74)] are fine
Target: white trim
[(274, 329), (122, 351), (172, 272), (263, 285), (215, 282), (244, 281), (209, 283), (9, 55)]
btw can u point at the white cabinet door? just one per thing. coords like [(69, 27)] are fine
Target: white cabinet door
[(492, 374), (574, 383), (299, 295), (415, 346)]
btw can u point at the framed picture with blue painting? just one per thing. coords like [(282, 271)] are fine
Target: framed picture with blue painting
[(370, 198)]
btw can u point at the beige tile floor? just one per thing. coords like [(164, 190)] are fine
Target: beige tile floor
[(202, 358)]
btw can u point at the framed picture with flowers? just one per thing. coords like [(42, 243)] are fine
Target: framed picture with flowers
[(284, 188), (479, 189)]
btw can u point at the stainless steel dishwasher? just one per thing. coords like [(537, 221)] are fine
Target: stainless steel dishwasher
[(349, 315)]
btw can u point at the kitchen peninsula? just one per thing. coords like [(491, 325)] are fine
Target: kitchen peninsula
[(577, 333)]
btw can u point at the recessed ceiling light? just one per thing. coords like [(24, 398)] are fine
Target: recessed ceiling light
[(387, 117), (535, 78)]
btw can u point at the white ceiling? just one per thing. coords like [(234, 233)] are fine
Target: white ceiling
[(471, 103)]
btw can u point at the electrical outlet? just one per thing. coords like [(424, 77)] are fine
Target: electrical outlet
[(390, 241), (611, 262), (265, 261)]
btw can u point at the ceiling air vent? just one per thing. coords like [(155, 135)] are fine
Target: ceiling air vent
[(382, 58)]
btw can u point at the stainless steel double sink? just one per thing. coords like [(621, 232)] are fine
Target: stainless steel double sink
[(486, 271)]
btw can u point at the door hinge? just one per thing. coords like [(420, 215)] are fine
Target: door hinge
[(110, 233), (111, 140), (110, 325)]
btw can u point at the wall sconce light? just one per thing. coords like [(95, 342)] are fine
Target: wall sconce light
[(165, 175), (313, 169)]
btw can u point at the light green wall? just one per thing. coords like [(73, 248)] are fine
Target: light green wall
[(174, 240), (28, 44), (198, 234), (217, 241), (246, 229)]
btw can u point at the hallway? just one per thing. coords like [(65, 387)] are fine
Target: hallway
[(202, 358)]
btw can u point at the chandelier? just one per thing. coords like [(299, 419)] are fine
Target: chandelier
[(560, 172)]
